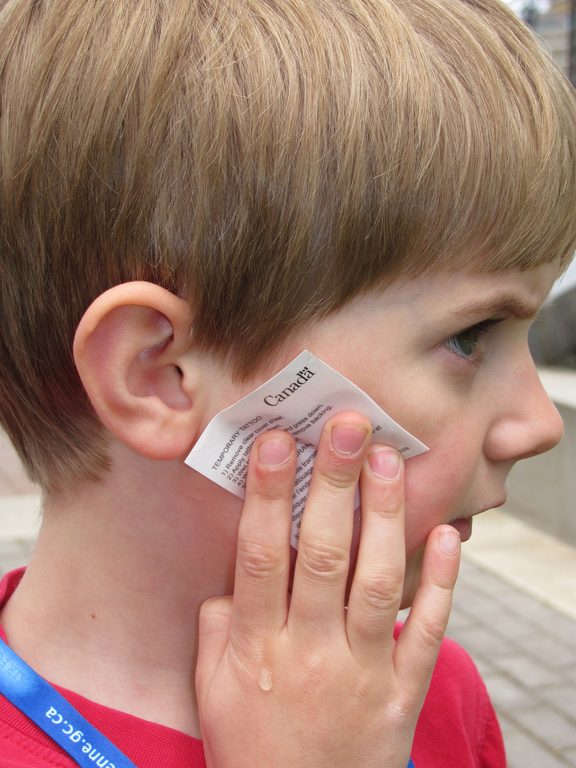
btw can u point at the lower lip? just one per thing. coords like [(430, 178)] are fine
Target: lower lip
[(464, 527)]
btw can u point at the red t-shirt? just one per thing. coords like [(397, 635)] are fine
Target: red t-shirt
[(457, 726)]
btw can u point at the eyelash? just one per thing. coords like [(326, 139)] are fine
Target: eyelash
[(472, 335)]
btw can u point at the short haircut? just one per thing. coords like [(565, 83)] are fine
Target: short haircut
[(268, 160)]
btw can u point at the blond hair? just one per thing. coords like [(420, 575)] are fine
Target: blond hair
[(266, 159)]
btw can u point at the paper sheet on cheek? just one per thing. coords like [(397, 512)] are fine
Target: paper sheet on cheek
[(299, 399)]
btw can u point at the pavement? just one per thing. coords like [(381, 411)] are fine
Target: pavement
[(514, 612)]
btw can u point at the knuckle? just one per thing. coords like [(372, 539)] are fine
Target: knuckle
[(444, 583), (257, 559), (273, 484), (401, 710), (388, 504), (314, 666), (432, 632), (323, 561), (335, 479), (273, 493), (382, 593)]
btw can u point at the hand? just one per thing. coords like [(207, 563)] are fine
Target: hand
[(286, 681)]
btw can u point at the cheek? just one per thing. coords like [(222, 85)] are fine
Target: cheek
[(439, 485)]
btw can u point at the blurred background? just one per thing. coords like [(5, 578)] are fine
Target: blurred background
[(543, 490), (554, 22)]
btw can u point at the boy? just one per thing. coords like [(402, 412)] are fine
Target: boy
[(191, 194)]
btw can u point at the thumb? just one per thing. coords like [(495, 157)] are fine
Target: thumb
[(213, 633)]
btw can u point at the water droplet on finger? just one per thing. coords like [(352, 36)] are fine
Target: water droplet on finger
[(265, 679)]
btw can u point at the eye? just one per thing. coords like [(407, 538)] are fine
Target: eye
[(466, 344)]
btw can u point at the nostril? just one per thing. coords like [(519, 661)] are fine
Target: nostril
[(521, 436), (557, 431), (551, 430)]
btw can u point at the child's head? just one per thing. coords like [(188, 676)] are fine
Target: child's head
[(266, 161)]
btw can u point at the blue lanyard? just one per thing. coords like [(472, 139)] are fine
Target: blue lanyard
[(54, 715)]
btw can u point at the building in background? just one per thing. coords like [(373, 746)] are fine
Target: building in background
[(554, 21), (554, 26), (553, 336)]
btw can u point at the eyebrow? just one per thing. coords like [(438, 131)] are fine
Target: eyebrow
[(499, 304)]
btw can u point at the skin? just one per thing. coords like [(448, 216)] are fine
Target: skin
[(478, 413), (475, 400), (462, 395), (332, 687)]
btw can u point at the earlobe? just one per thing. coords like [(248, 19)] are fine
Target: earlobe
[(130, 351)]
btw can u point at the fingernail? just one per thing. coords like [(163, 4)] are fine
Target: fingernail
[(385, 463), (347, 440), (449, 541), (274, 452)]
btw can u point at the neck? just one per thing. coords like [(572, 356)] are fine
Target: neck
[(115, 585)]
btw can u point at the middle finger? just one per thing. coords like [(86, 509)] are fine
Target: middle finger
[(318, 593)]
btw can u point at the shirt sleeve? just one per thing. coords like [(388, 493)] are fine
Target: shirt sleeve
[(458, 725)]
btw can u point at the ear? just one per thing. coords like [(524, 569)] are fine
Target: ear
[(132, 353)]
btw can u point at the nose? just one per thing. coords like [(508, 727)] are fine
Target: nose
[(528, 422)]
